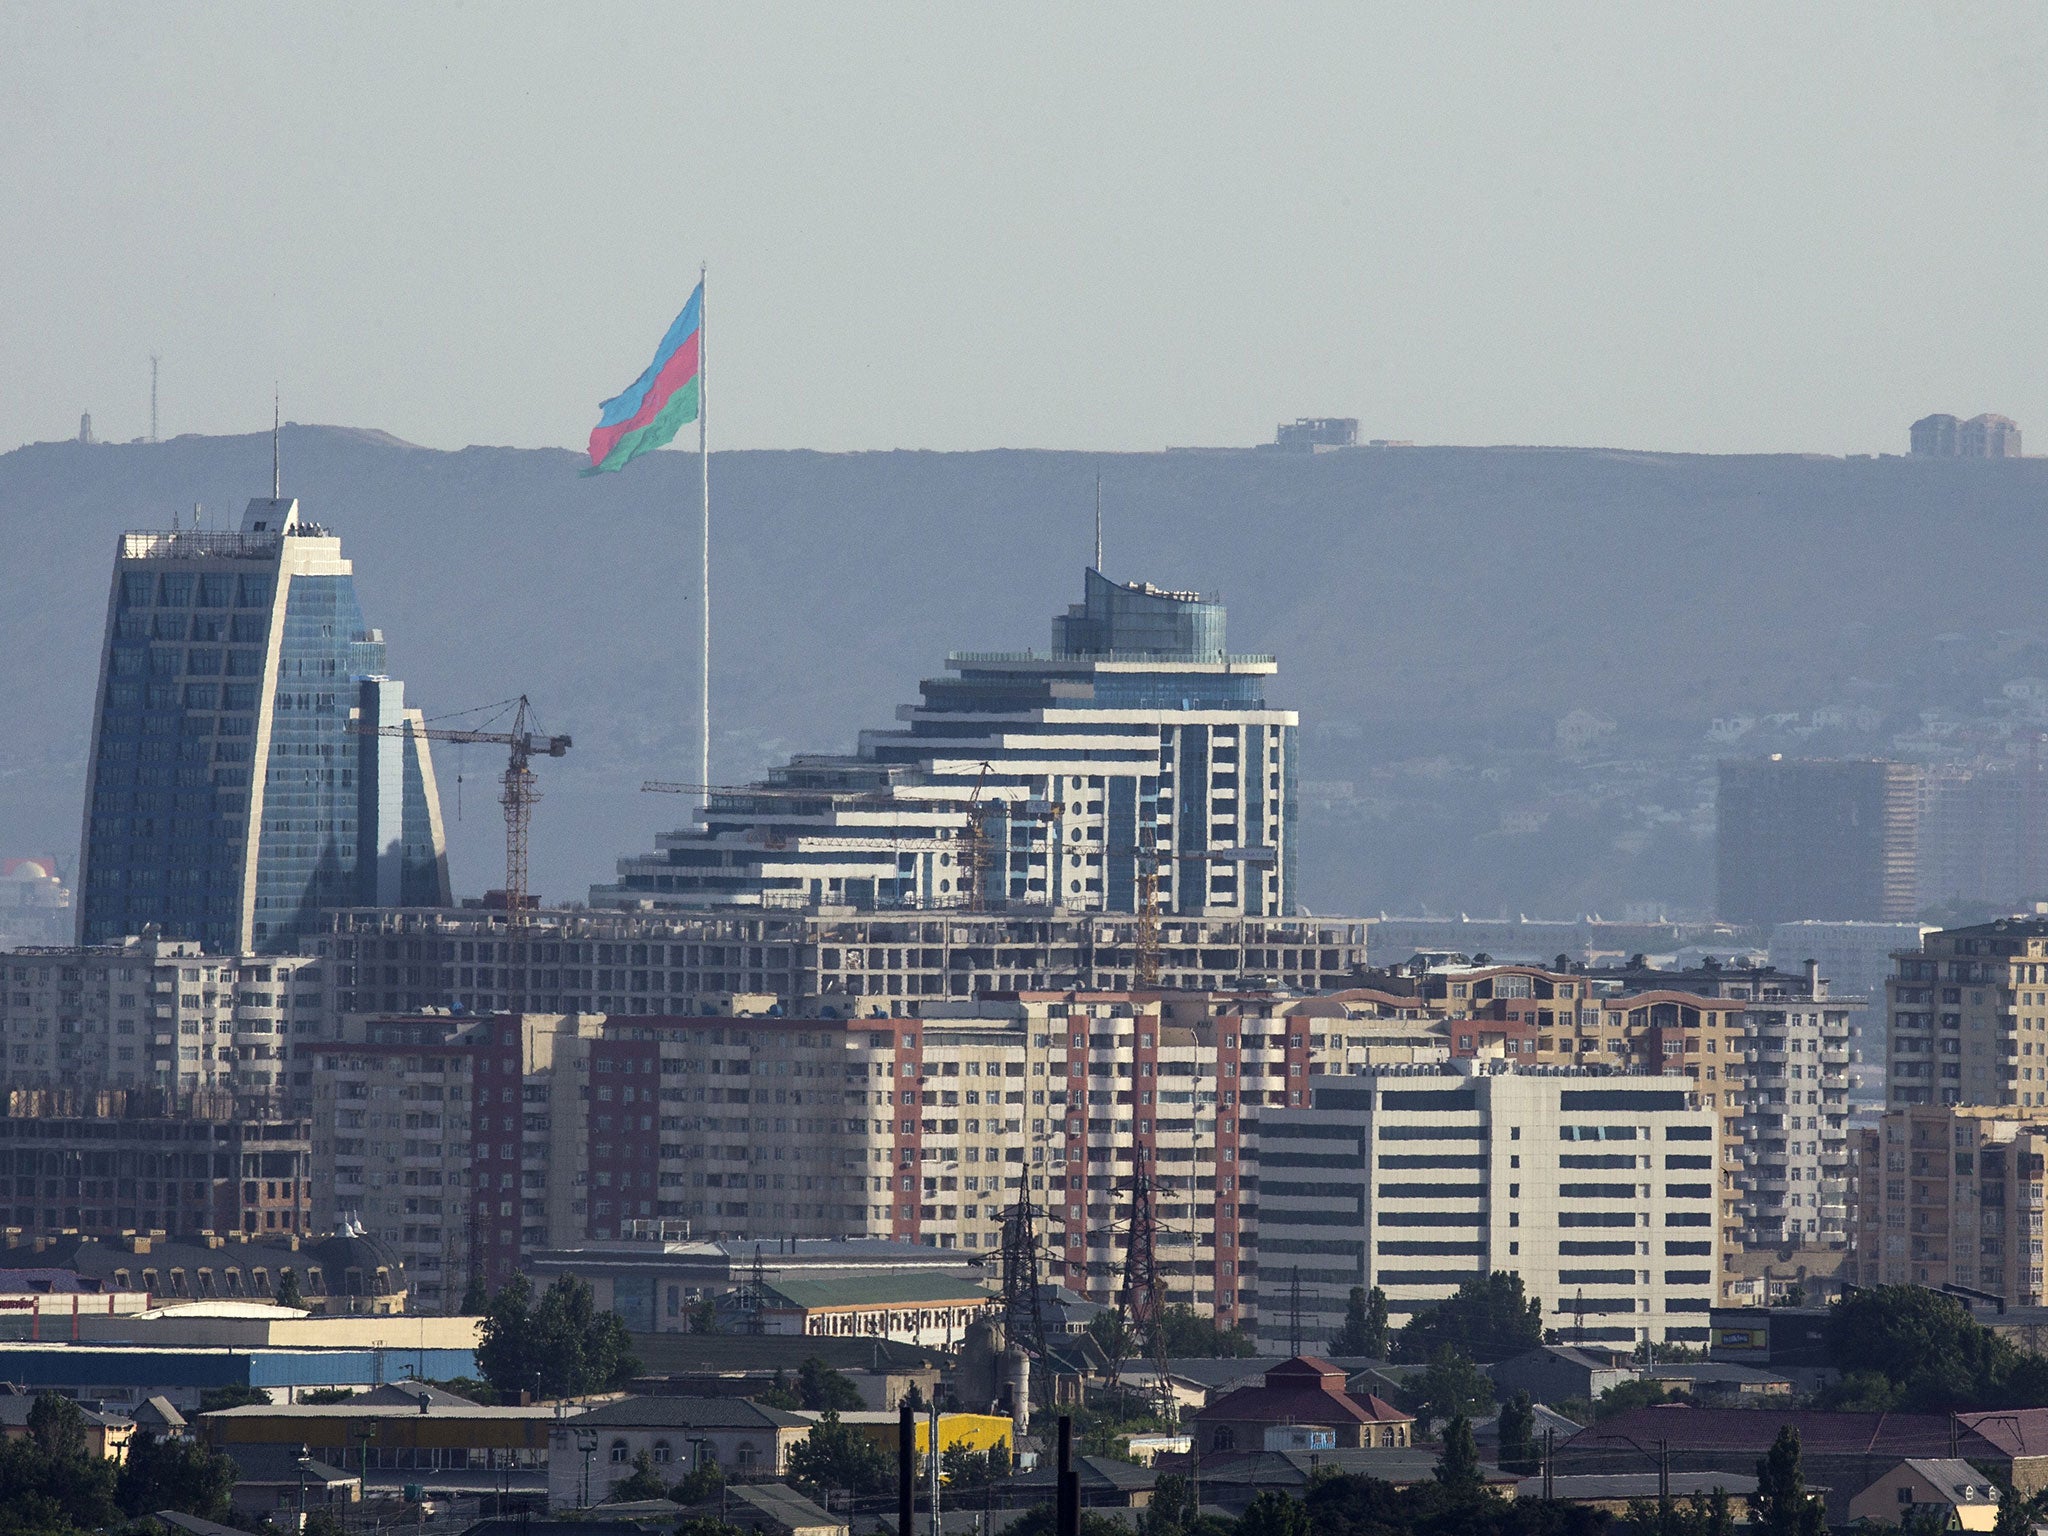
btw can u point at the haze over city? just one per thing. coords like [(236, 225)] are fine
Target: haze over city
[(1734, 230), (1022, 771)]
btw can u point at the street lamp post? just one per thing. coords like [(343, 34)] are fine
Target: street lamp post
[(586, 1442)]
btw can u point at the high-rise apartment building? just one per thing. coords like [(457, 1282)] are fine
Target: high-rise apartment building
[(230, 795), (1138, 748), (394, 961), (1829, 840), (1967, 1017), (468, 1143), (157, 1014), (1952, 1195), (1598, 1188), (1988, 436)]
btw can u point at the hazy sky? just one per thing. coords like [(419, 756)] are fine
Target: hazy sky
[(1722, 228)]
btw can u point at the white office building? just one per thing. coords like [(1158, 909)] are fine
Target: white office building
[(1597, 1188)]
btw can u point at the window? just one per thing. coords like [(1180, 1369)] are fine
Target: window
[(661, 1453), (618, 1453)]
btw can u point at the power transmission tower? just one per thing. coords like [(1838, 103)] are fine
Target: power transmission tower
[(1294, 1313), (1141, 1301), (1023, 1317), (153, 360)]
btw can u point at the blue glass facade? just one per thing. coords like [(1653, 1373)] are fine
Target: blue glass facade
[(227, 788)]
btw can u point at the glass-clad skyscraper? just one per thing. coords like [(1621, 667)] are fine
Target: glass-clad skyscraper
[(1138, 742), (231, 795)]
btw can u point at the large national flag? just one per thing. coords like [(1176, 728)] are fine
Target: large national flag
[(661, 400)]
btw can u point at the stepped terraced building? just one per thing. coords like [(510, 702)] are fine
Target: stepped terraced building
[(1136, 748)]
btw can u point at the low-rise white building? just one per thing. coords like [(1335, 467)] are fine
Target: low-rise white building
[(1596, 1187), (590, 1453)]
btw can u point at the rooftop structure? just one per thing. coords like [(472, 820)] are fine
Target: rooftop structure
[(1025, 780), (230, 796)]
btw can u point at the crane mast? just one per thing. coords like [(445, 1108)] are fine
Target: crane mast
[(518, 795)]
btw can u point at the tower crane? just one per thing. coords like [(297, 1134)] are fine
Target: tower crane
[(518, 795)]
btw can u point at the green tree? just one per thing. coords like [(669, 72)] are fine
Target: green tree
[(1626, 1396), (174, 1474), (56, 1427), (1192, 1336), (1781, 1505), (1451, 1387), (820, 1387), (234, 1395), (2016, 1512), (559, 1346), (836, 1455), (1518, 1435), (779, 1394), (1862, 1392), (964, 1468), (1273, 1513), (1490, 1318), (701, 1485), (707, 1525), (288, 1292), (476, 1296), (1923, 1341), (1457, 1465), (1365, 1325), (643, 1482), (1173, 1510), (704, 1316), (1112, 1335), (1701, 1515), (473, 1388)]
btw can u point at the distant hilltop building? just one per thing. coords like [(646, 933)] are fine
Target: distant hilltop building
[(1981, 437), (230, 796), (1305, 434), (1136, 748)]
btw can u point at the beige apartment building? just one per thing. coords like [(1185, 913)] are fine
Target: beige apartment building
[(154, 1013), (1952, 1195), (1967, 1017), (1597, 1186), (467, 1143)]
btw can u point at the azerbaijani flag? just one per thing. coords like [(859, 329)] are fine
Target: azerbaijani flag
[(661, 400)]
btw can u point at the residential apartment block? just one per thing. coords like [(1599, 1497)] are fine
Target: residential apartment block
[(1952, 1195), (104, 1172), (384, 960), (1967, 1017), (154, 1013), (1598, 1187), (468, 1143), (230, 796), (1137, 748)]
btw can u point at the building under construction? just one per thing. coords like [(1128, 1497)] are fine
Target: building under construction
[(384, 959), (1136, 759)]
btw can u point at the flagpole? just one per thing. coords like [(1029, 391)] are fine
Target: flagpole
[(704, 606)]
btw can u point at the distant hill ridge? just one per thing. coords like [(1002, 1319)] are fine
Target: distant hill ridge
[(1419, 598)]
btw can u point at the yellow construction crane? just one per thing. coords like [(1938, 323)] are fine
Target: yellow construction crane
[(518, 795)]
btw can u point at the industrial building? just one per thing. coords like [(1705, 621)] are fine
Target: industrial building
[(230, 794), (1597, 1187), (1137, 752)]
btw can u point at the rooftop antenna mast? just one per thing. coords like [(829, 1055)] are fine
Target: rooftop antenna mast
[(276, 421), (1098, 520)]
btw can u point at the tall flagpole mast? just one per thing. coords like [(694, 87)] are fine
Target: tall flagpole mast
[(704, 607)]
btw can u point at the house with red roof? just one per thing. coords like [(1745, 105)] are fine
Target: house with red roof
[(1301, 1402)]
